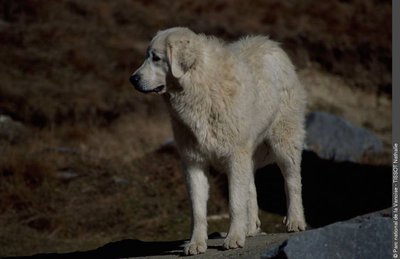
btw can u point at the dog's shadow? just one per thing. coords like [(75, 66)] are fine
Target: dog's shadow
[(119, 249), (331, 191)]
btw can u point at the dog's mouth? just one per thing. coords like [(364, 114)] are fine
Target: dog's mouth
[(158, 89)]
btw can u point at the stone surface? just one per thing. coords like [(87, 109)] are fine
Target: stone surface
[(363, 237), (253, 248), (133, 248), (334, 138)]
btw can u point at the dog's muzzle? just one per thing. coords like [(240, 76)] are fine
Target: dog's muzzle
[(135, 81)]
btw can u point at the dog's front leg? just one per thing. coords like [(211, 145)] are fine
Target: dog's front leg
[(198, 191), (239, 176)]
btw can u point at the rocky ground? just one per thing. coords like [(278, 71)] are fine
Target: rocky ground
[(366, 236)]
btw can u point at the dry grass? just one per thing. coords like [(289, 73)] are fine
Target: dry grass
[(64, 76), (331, 93)]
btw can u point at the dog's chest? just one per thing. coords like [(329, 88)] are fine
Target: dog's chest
[(211, 135), (208, 132)]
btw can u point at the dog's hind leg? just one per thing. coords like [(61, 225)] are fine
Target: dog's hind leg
[(287, 150), (294, 220)]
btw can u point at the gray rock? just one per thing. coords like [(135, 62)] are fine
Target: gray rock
[(363, 237), (334, 138), (11, 130)]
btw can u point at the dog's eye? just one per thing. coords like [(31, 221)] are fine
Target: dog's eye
[(156, 58)]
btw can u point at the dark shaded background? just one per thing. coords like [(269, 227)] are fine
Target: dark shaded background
[(80, 164)]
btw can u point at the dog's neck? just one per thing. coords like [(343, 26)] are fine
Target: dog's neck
[(201, 102)]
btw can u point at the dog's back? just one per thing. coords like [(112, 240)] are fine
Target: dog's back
[(272, 89), (266, 60)]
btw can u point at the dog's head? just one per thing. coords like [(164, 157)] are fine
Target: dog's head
[(171, 52)]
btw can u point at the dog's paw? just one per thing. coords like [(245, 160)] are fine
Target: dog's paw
[(294, 225), (194, 248), (234, 241)]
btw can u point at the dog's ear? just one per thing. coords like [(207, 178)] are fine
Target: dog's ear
[(181, 51)]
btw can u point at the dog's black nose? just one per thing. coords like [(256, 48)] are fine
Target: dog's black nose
[(135, 79)]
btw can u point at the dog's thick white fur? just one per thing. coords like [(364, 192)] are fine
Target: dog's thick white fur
[(236, 107)]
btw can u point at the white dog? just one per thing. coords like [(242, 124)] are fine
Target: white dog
[(236, 107)]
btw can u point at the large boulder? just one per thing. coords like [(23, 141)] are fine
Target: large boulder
[(334, 138), (366, 237)]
